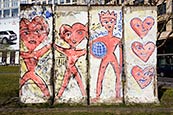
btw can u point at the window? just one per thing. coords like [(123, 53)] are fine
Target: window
[(6, 3), (166, 48), (0, 13), (161, 9), (50, 2), (160, 26), (107, 1), (56, 1), (61, 1), (0, 3), (3, 33), (172, 24), (138, 2), (172, 6), (23, 1), (14, 3), (68, 1), (15, 12), (44, 2), (6, 13)]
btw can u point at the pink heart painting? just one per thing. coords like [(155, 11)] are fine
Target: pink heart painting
[(142, 27), (143, 76), (143, 51)]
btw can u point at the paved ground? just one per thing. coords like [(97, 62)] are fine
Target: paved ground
[(117, 110)]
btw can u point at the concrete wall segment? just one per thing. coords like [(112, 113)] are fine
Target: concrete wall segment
[(105, 44), (140, 30), (35, 53), (71, 38)]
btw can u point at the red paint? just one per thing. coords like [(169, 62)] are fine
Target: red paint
[(143, 51), (108, 21), (32, 34), (73, 35), (142, 27), (143, 76)]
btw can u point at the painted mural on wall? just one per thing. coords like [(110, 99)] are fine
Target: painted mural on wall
[(71, 31), (35, 53), (140, 27), (9, 37), (85, 54), (106, 55)]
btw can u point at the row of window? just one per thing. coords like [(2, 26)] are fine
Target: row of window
[(9, 3), (9, 13), (10, 7), (48, 1)]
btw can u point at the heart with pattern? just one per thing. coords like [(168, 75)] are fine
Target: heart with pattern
[(143, 76), (142, 27), (143, 51)]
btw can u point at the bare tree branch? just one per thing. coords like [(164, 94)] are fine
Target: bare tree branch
[(165, 39), (164, 25)]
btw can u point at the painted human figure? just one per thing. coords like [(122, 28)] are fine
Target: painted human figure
[(108, 21), (32, 34), (73, 35)]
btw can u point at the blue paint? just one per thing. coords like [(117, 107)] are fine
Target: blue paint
[(118, 32), (100, 34), (34, 13), (48, 14), (99, 49)]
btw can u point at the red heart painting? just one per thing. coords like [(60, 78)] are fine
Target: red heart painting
[(143, 51), (142, 27), (74, 34), (34, 32), (143, 76)]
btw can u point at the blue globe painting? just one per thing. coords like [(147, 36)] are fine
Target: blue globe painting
[(99, 49)]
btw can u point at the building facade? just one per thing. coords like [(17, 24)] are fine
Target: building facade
[(9, 8), (165, 38)]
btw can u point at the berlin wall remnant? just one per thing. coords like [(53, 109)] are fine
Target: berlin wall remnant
[(35, 53), (140, 30), (105, 54), (71, 36), (86, 55)]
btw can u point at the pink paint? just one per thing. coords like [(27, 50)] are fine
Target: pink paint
[(73, 35), (108, 21), (143, 76), (32, 34), (142, 27), (143, 51)]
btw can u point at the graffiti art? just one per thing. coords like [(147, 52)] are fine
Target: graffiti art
[(102, 47), (140, 55), (35, 49), (143, 51), (83, 60), (142, 27), (143, 76), (71, 36)]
